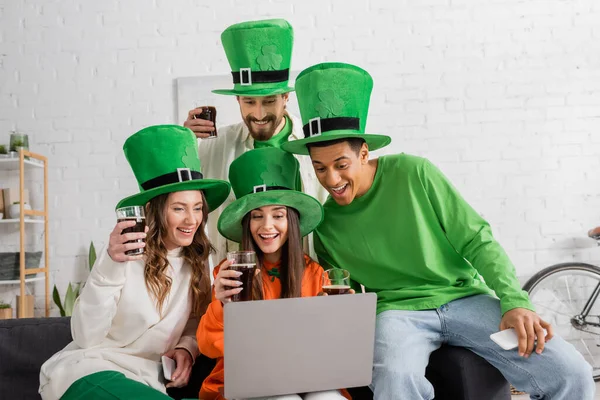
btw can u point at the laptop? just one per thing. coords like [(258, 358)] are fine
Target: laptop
[(299, 345)]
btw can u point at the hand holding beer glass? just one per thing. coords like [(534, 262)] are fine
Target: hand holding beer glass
[(129, 235), (336, 281), (236, 276), (202, 120)]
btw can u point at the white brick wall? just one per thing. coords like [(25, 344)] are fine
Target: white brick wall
[(504, 96)]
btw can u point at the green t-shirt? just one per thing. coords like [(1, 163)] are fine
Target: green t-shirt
[(278, 139), (414, 241)]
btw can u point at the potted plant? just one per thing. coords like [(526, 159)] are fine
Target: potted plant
[(5, 310), (18, 141), (14, 210), (3, 151)]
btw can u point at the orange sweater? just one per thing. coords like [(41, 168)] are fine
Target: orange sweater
[(210, 331)]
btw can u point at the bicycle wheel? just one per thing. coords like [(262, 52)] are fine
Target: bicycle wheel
[(560, 294)]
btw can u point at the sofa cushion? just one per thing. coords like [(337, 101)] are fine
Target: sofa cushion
[(458, 373), (25, 344)]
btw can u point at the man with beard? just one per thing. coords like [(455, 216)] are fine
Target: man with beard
[(259, 54)]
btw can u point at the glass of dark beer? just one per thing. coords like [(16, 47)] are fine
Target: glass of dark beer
[(244, 262), (336, 281), (133, 213), (209, 113)]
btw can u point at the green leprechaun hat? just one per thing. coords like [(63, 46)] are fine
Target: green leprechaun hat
[(259, 54), (334, 102), (263, 177), (164, 159)]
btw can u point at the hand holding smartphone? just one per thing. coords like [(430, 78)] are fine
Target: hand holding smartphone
[(168, 365), (507, 338)]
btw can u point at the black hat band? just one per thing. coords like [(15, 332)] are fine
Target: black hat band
[(181, 175), (246, 77), (316, 126), (264, 188)]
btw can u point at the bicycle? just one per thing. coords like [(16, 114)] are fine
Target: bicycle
[(565, 295)]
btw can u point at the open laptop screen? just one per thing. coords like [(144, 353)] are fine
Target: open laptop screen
[(298, 345)]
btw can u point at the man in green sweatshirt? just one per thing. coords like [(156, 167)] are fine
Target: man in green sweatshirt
[(404, 232)]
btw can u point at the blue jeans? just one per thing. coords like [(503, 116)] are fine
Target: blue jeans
[(405, 339)]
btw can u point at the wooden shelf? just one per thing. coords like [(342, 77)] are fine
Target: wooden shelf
[(37, 277), (12, 163), (36, 213), (27, 221), (23, 162)]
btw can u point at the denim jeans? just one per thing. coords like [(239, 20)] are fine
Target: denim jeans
[(405, 339)]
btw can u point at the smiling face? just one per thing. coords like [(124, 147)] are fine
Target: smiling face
[(183, 212), (264, 116), (269, 229), (342, 171)]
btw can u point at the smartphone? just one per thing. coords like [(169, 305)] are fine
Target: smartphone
[(507, 339), (168, 365)]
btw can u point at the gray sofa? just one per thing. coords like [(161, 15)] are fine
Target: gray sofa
[(25, 344)]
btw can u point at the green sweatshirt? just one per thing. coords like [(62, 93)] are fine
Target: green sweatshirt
[(414, 241)]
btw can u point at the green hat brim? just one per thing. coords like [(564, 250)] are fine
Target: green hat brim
[(255, 92), (215, 192), (309, 209), (299, 146)]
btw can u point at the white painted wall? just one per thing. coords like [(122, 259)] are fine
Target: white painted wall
[(504, 96)]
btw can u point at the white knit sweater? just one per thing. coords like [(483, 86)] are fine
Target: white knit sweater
[(116, 326)]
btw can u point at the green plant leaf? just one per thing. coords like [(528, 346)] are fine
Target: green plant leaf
[(56, 298), (92, 255), (70, 298)]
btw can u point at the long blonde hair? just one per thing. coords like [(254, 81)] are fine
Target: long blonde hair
[(157, 281)]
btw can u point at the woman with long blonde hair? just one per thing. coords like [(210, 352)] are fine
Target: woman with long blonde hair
[(136, 308)]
